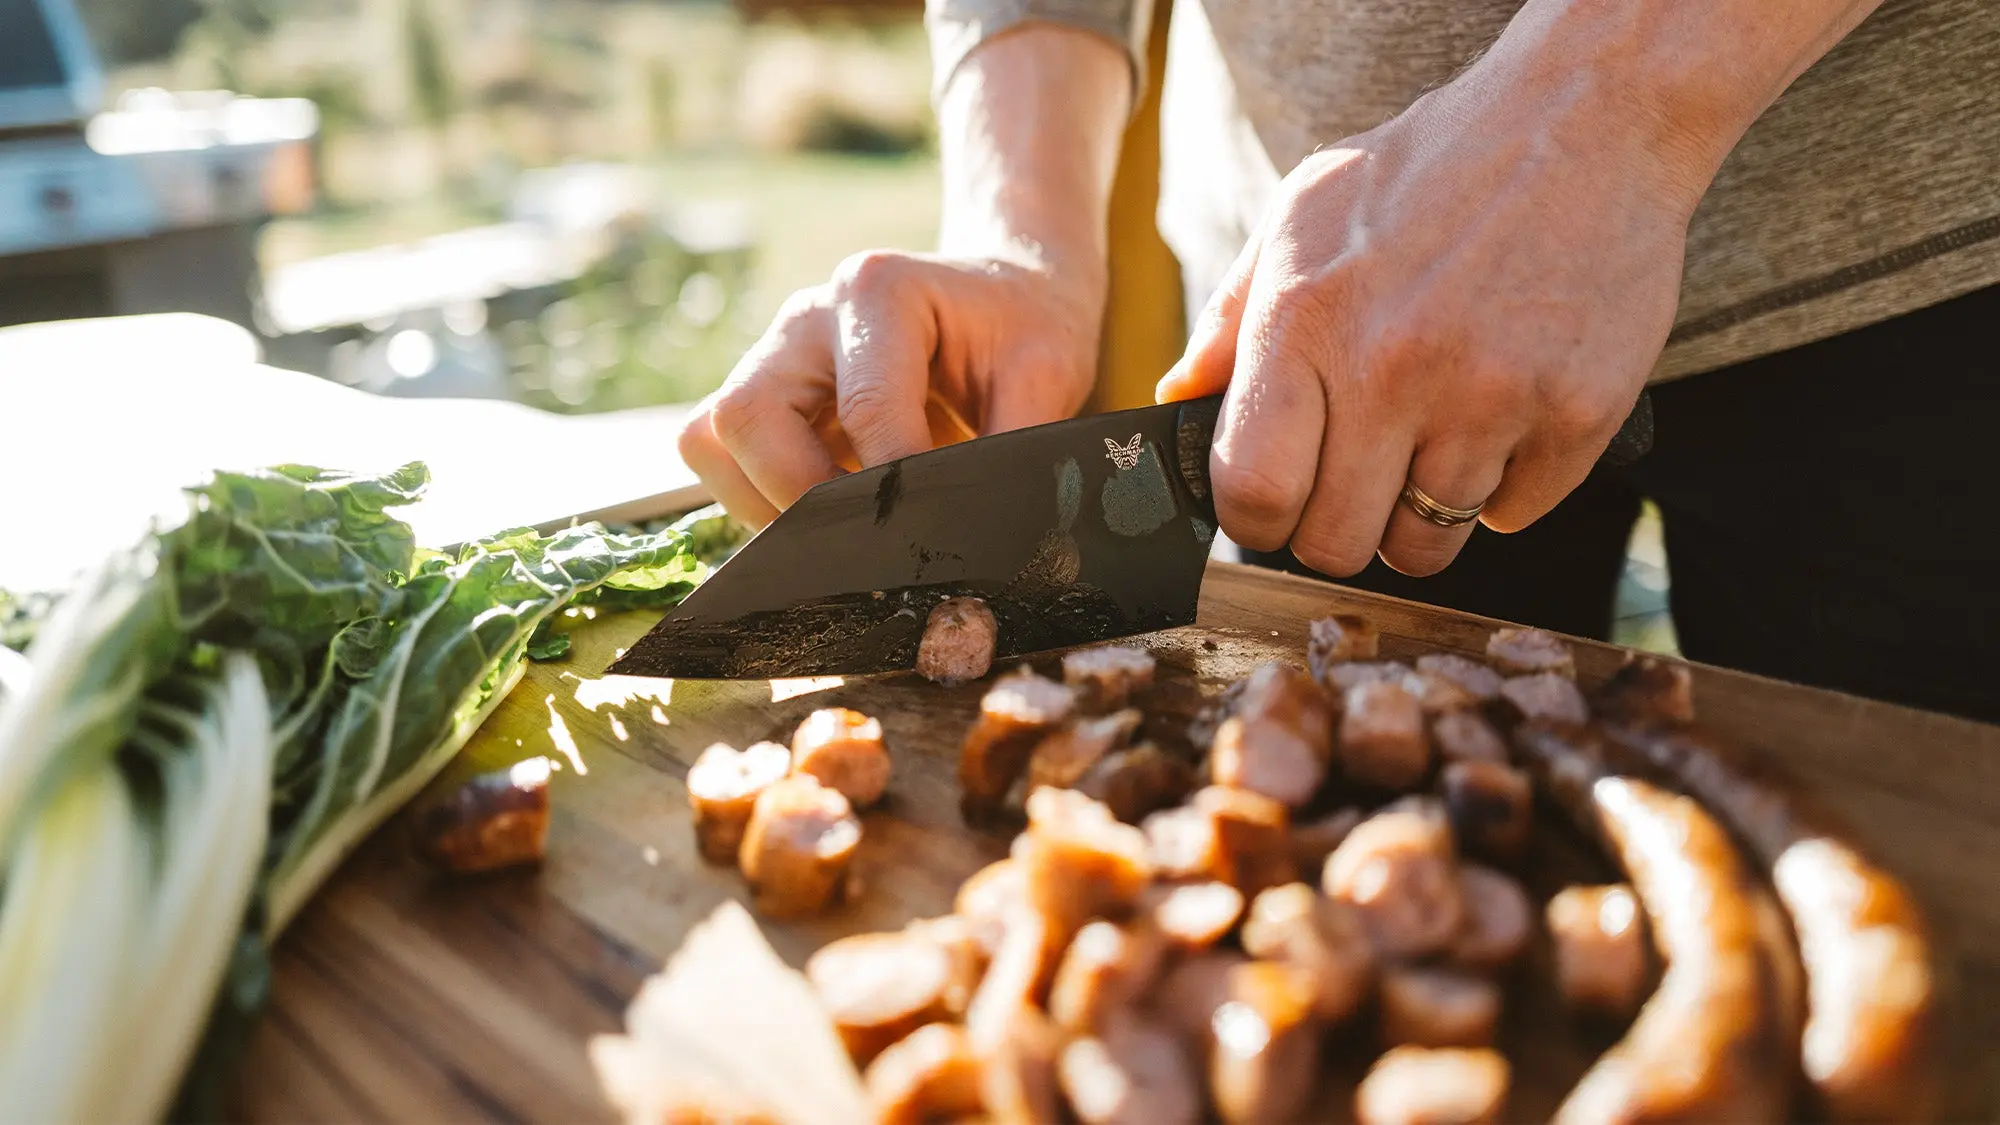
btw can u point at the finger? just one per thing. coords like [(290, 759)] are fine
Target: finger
[(1549, 464), (1273, 418), (764, 413), (1035, 389), (1537, 480), (702, 452), (1360, 473), (1210, 359), (884, 339), (1457, 474)]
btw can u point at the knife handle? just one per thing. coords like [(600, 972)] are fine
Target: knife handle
[(1194, 432)]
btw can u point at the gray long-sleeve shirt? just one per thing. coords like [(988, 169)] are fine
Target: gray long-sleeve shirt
[(1871, 188)]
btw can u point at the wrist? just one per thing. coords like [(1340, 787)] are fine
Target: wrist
[(1663, 87)]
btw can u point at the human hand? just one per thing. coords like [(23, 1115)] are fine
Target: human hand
[(1469, 297), (886, 360)]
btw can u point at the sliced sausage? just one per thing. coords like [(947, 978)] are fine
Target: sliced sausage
[(878, 988), (1019, 710), (1647, 689), (1301, 927), (1225, 835), (1499, 919), (1600, 943), (1080, 862), (1527, 652), (1314, 840), (1191, 990), (960, 636), (844, 749), (1383, 738), (1399, 868), (930, 1075), (1342, 678), (1478, 680), (1437, 694), (1105, 679), (1107, 967), (1549, 696), (801, 837), (1279, 740), (1438, 1007), (1707, 1045), (1134, 1074), (1492, 808), (987, 898), (1193, 916), (1064, 756), (498, 819), (1465, 736), (1017, 1067), (722, 788), (1434, 1086), (1136, 782), (1264, 1042), (1340, 639)]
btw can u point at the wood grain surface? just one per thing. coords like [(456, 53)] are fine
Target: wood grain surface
[(409, 997)]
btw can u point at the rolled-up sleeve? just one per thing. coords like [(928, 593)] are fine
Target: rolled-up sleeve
[(958, 26)]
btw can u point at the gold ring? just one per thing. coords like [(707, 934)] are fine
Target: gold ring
[(1443, 515)]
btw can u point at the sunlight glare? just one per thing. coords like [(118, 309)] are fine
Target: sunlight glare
[(782, 690)]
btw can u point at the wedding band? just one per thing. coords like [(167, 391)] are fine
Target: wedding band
[(1443, 515)]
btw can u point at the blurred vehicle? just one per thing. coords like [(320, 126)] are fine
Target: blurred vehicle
[(153, 206)]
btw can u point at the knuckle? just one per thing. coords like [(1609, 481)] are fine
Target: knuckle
[(1580, 414), (696, 441), (870, 271), (1332, 553), (736, 412), (801, 305), (1255, 496), (1419, 560)]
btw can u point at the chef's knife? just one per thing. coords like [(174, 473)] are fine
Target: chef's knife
[(1072, 532)]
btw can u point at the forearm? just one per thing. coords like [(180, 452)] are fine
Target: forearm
[(1029, 128), (1685, 77)]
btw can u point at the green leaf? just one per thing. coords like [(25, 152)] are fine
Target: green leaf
[(547, 644)]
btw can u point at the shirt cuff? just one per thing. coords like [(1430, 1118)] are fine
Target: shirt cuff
[(957, 27)]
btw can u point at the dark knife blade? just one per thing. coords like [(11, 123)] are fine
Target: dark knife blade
[(1075, 531)]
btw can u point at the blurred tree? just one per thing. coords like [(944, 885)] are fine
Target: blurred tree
[(430, 78)]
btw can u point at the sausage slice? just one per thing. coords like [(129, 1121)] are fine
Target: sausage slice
[(1104, 679), (1434, 1086), (1600, 943), (498, 819), (1465, 736), (1279, 739), (1492, 808), (960, 636), (1106, 968), (844, 749), (796, 849), (878, 988), (1135, 1074), (1063, 757), (1478, 680), (1136, 782), (1438, 1007), (1526, 652), (1193, 916), (1080, 862), (1314, 840), (1338, 640), (1549, 696), (1014, 715), (1299, 926), (1499, 919), (1264, 1044), (930, 1075), (1383, 739), (1399, 868)]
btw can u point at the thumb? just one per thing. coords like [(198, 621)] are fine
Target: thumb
[(1210, 358)]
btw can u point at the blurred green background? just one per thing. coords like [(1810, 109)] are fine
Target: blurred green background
[(734, 153)]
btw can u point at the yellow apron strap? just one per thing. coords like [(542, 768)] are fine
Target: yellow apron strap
[(1144, 330)]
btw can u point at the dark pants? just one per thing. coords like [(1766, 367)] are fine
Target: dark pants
[(1832, 517)]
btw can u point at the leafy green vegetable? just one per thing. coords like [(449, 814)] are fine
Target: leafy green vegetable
[(197, 732)]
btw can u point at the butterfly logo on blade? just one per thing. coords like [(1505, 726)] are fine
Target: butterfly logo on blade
[(1124, 456)]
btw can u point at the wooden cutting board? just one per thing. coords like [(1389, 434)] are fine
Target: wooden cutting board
[(402, 996)]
